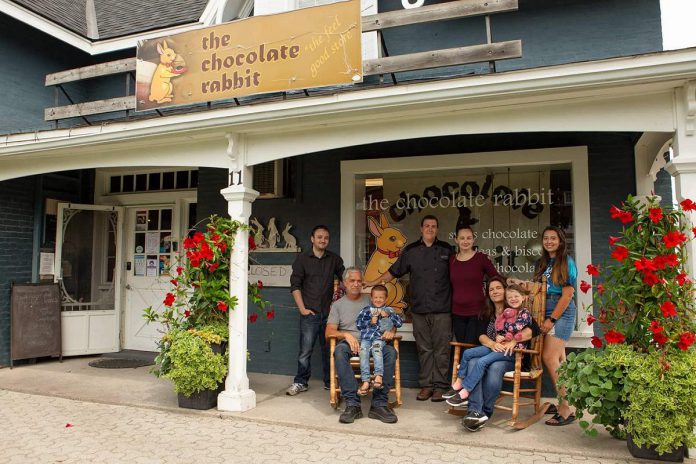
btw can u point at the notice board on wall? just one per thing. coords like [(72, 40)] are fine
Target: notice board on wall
[(35, 321)]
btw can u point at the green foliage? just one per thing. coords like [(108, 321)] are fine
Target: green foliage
[(193, 366), (662, 402), (596, 382)]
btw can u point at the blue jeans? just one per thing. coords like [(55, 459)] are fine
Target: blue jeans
[(312, 327), (484, 395), (484, 357), (346, 376), (376, 348)]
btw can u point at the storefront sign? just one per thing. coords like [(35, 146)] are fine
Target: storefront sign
[(301, 49), (272, 275)]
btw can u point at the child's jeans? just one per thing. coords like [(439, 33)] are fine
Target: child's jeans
[(367, 347), (486, 357)]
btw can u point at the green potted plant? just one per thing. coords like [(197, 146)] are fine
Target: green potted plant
[(645, 306), (195, 318)]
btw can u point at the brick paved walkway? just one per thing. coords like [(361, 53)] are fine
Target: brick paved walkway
[(34, 431)]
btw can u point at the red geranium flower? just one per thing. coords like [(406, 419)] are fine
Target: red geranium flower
[(253, 317), (660, 338), (683, 279), (612, 337), (187, 313), (252, 243), (664, 261), (593, 270), (624, 216), (600, 289), (259, 284), (174, 282), (688, 205), (195, 262), (213, 266), (644, 265), (222, 306), (655, 214), (590, 319), (596, 342), (673, 239), (179, 270), (270, 315), (198, 237), (584, 286), (169, 299), (650, 279), (620, 253), (668, 309), (613, 240), (655, 327), (686, 340)]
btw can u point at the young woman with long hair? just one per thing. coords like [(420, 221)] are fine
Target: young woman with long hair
[(561, 276), (468, 270)]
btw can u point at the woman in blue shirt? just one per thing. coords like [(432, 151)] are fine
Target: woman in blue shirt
[(561, 275)]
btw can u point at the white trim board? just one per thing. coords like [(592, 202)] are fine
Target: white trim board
[(576, 157)]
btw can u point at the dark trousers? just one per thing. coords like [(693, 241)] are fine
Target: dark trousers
[(312, 327), (433, 332), (346, 375), (467, 329)]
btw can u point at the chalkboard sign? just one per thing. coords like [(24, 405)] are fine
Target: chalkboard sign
[(35, 321)]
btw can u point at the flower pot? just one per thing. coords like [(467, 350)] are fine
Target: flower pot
[(203, 400), (648, 452)]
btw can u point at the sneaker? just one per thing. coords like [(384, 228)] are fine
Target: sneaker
[(474, 421), (350, 414), (327, 386), (475, 428), (296, 388), (457, 402), (451, 393), (383, 414)]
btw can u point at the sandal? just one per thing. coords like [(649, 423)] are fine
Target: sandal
[(377, 384), (557, 420), (364, 389), (552, 409)]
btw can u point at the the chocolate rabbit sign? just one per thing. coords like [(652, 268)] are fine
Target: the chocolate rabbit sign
[(311, 47)]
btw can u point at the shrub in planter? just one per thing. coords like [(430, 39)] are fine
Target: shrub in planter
[(193, 365), (596, 383), (645, 300), (662, 404)]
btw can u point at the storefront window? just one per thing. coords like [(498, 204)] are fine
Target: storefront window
[(507, 208)]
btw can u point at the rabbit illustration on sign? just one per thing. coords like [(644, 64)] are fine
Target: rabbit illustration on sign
[(257, 230), (390, 242), (171, 65)]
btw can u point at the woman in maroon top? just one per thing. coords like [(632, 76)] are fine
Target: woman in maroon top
[(468, 271)]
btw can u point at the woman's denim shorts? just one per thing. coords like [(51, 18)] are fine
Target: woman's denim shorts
[(566, 323)]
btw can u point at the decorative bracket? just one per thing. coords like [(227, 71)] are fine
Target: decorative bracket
[(237, 155), (690, 90)]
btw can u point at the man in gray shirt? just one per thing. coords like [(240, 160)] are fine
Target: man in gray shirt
[(342, 325)]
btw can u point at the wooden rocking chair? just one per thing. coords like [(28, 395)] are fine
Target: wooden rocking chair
[(536, 303), (335, 389)]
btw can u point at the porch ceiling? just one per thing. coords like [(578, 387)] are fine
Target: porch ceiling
[(627, 94)]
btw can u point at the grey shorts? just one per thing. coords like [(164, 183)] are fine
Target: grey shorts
[(565, 325)]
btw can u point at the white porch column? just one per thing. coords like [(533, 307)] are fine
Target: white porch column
[(683, 165), (237, 395)]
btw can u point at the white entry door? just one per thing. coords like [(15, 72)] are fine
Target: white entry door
[(150, 236), (87, 269)]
